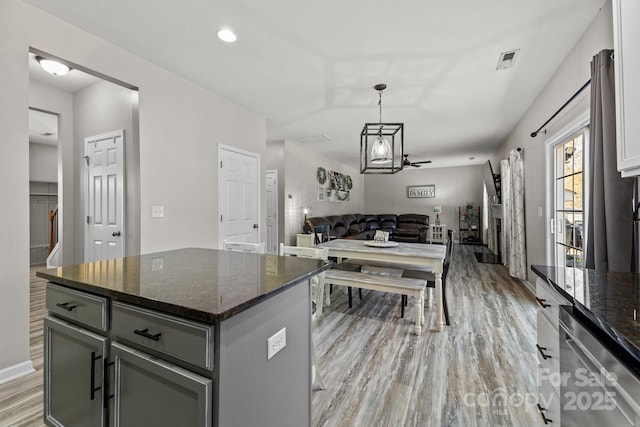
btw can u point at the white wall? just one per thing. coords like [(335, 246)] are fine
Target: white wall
[(100, 108), (43, 162), (570, 76), (454, 187), (301, 188), (274, 159), (180, 126), (14, 188), (61, 103)]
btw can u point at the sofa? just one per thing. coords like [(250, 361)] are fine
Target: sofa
[(412, 228)]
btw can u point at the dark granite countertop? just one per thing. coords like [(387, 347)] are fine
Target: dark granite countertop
[(200, 284), (609, 301)]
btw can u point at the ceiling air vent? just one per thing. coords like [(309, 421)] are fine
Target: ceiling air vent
[(507, 59), (315, 138)]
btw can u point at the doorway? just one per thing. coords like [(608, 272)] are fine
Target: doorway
[(272, 211), (104, 211), (566, 198), (87, 103), (43, 185), (238, 195)]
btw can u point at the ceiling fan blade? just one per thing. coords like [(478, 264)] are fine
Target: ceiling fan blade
[(420, 163), (414, 165)]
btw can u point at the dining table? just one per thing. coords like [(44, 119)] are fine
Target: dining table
[(400, 254)]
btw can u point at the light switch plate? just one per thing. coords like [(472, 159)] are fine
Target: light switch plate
[(276, 343)]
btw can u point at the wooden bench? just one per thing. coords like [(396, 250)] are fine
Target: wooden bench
[(377, 282)]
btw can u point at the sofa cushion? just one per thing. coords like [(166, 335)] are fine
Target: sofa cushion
[(413, 219), (388, 222)]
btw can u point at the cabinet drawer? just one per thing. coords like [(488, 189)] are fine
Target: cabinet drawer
[(185, 340), (79, 307), (548, 406), (548, 345), (549, 301)]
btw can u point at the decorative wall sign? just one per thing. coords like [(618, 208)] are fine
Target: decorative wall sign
[(333, 186), (421, 191), (339, 187)]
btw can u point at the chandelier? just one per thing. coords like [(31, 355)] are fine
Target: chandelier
[(381, 144)]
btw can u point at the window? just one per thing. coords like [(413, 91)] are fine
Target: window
[(567, 223)]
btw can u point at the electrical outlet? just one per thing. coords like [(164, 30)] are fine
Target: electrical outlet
[(157, 264), (276, 343), (157, 211)]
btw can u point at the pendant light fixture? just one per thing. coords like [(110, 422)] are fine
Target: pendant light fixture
[(377, 153)]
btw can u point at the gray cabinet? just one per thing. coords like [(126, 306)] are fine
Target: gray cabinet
[(151, 392), (73, 365), (149, 368)]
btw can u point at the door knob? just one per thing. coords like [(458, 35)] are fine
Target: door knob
[(255, 225), (115, 233)]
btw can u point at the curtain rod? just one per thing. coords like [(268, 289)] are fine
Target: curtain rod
[(534, 134)]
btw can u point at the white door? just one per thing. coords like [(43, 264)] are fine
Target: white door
[(104, 210), (238, 195), (567, 222), (272, 211)]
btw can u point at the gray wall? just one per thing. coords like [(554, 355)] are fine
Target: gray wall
[(43, 162), (49, 99), (454, 187), (274, 159), (570, 76), (301, 188), (100, 108), (180, 125)]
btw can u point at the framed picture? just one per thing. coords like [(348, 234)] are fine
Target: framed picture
[(421, 191)]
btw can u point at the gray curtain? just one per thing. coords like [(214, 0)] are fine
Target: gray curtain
[(610, 206)]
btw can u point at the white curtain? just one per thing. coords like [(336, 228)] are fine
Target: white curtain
[(514, 246)]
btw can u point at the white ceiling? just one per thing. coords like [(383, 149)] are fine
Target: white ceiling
[(309, 66)]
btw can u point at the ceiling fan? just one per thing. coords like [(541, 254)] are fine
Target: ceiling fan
[(407, 162)]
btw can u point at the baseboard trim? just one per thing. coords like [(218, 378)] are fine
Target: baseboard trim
[(16, 371)]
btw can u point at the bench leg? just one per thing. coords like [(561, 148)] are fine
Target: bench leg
[(419, 311)]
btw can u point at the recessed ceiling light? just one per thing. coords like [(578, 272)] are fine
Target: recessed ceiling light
[(53, 67), (227, 35)]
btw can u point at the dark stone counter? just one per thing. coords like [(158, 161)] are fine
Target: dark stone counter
[(608, 301), (200, 284)]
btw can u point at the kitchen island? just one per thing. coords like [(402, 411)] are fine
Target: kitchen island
[(186, 337)]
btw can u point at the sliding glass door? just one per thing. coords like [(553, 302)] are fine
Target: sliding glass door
[(567, 222)]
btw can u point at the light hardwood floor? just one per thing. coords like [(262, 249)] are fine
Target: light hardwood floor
[(21, 401), (480, 371), (477, 372)]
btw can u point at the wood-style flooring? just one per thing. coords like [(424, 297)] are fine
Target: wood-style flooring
[(480, 371), (22, 400)]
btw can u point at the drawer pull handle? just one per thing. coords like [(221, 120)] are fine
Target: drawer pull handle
[(541, 350), (145, 333), (66, 306), (544, 418), (543, 302), (92, 393)]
